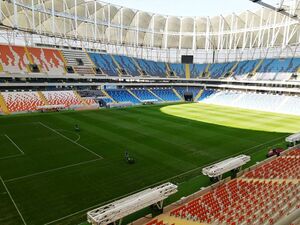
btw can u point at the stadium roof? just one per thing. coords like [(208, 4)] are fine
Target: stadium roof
[(107, 23)]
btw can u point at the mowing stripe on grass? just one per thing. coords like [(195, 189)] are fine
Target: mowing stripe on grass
[(157, 183), (4, 185), (14, 144), (52, 170), (60, 134)]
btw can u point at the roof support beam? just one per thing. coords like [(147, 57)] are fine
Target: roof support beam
[(279, 9)]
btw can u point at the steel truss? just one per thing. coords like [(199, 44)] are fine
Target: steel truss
[(95, 24)]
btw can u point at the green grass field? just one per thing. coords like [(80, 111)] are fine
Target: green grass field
[(51, 174)]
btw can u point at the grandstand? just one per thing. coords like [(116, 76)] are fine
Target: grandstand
[(85, 83)]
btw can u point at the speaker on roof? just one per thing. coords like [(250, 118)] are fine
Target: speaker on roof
[(187, 59)]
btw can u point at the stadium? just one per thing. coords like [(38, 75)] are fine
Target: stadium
[(115, 115)]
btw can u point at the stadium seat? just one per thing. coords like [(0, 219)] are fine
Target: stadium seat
[(127, 64), (105, 63), (152, 68), (121, 95), (145, 95), (261, 196), (13, 59), (22, 101), (66, 98), (49, 61), (80, 61), (166, 94)]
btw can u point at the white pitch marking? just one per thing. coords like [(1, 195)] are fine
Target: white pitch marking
[(51, 170), (4, 185), (14, 144), (60, 134)]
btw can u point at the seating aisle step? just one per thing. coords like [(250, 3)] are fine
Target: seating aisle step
[(177, 221), (43, 98), (198, 95), (187, 71), (108, 96), (134, 95), (155, 95), (3, 105), (176, 93), (257, 66), (80, 98)]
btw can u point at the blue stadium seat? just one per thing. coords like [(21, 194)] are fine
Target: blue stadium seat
[(105, 62), (178, 68), (127, 64), (166, 94), (245, 67), (277, 65), (153, 68), (144, 95), (219, 69), (122, 95), (197, 69), (206, 93)]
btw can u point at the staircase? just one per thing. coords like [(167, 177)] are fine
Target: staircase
[(207, 70), (176, 93), (232, 69), (187, 71), (72, 56), (80, 98), (168, 69), (155, 95), (108, 96), (42, 97), (137, 65), (198, 95), (257, 66), (117, 64), (134, 95), (28, 55), (3, 105)]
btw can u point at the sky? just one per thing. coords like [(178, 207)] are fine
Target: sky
[(190, 7)]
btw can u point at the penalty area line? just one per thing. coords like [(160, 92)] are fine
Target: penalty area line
[(11, 198), (14, 143), (76, 143), (52, 170)]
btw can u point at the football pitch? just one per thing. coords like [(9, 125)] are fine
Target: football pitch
[(51, 174)]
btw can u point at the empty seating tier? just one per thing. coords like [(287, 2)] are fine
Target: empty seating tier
[(22, 101), (286, 167), (145, 95), (66, 98), (49, 61), (80, 61), (156, 69), (178, 69), (166, 94), (105, 63), (242, 202), (13, 59), (262, 196), (127, 64), (121, 95)]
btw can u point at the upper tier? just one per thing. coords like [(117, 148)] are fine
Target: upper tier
[(24, 60)]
